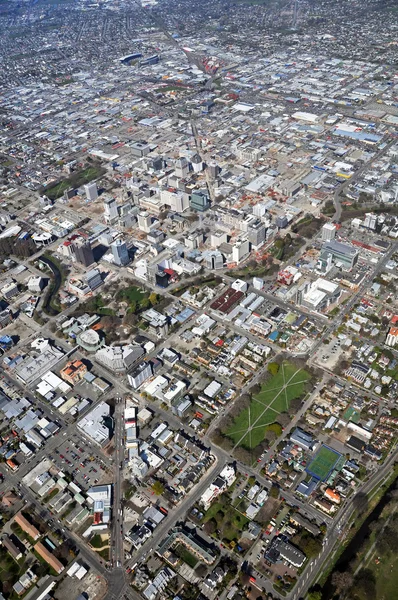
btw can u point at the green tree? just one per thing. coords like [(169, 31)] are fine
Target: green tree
[(158, 488), (145, 303), (153, 298), (133, 307), (273, 368)]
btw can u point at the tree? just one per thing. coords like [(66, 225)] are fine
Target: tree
[(153, 298), (314, 595), (273, 368), (274, 491), (360, 502), (145, 303), (158, 488), (342, 580), (133, 307)]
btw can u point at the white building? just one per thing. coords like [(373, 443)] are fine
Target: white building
[(328, 232)]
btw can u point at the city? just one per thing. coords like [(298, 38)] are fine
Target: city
[(198, 300)]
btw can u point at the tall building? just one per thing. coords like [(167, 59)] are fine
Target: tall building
[(120, 253), (256, 233), (213, 259), (178, 201), (93, 279), (144, 222), (370, 221), (91, 191), (240, 251), (82, 252), (328, 232), (110, 210), (199, 200), (214, 169), (197, 163), (181, 167)]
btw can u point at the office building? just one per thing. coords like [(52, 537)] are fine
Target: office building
[(93, 279), (120, 253), (320, 295), (240, 251), (82, 252), (343, 255), (119, 359), (328, 232), (256, 233), (199, 200), (213, 259), (177, 200), (144, 221), (197, 163), (91, 191), (110, 210), (281, 221), (181, 167), (140, 148), (370, 221), (140, 374), (214, 169)]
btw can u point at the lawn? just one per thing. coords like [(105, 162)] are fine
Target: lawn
[(186, 556), (386, 574), (75, 180), (229, 521), (323, 463), (131, 294), (265, 406)]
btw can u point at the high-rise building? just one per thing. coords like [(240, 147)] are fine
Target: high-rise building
[(213, 259), (197, 163), (93, 279), (91, 191), (82, 252), (178, 201), (370, 221), (240, 250), (256, 233), (120, 253), (199, 200), (110, 210), (214, 169), (181, 167), (144, 221), (328, 232)]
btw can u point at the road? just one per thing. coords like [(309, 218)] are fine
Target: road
[(117, 517)]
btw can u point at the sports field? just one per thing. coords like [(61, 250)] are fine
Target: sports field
[(275, 397), (323, 463)]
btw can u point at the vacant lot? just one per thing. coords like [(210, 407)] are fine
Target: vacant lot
[(275, 397)]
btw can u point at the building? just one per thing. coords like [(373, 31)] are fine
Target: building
[(119, 359), (94, 279), (9, 290), (320, 294), (120, 253), (73, 372), (343, 255), (144, 221), (140, 374), (281, 549), (219, 485), (303, 439), (197, 163), (82, 252), (91, 191), (200, 200), (240, 251), (370, 221), (49, 558), (101, 495), (5, 318), (213, 260), (177, 200), (36, 284), (181, 167), (110, 210), (90, 340), (93, 424), (256, 233), (26, 526), (11, 548), (328, 232)]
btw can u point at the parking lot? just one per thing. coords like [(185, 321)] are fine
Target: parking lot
[(79, 460)]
